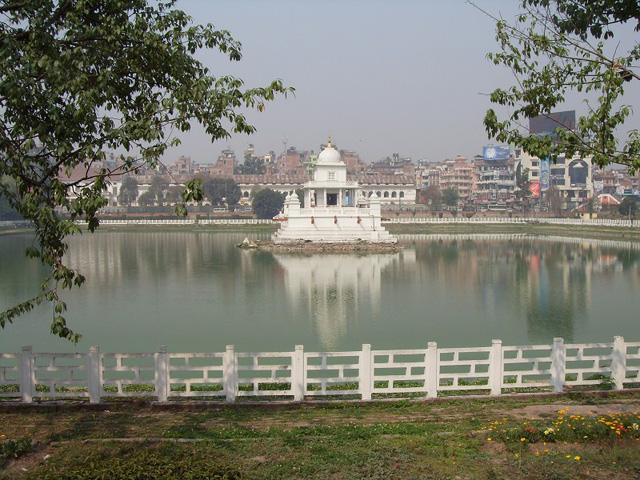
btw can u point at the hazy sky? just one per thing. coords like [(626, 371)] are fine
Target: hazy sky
[(380, 76)]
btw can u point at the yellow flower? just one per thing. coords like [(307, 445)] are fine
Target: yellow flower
[(522, 439), (489, 439), (576, 457)]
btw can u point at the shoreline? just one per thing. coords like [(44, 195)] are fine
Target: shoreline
[(586, 231)]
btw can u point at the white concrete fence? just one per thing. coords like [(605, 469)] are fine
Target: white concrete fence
[(403, 220), (185, 221), (602, 222), (366, 374)]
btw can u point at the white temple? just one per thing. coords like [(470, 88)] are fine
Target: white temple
[(335, 210)]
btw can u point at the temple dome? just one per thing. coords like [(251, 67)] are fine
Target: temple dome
[(329, 155)]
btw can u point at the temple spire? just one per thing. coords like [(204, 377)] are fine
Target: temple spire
[(329, 145)]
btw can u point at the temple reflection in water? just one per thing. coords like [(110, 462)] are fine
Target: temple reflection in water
[(331, 287)]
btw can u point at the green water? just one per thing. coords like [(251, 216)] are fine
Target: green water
[(195, 291)]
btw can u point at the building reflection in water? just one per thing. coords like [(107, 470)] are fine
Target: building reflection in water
[(332, 286), (549, 279)]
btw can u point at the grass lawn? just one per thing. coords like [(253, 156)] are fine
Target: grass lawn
[(579, 435)]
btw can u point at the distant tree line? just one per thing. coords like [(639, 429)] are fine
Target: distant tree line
[(218, 191)]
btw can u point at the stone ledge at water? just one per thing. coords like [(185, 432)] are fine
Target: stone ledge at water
[(332, 247)]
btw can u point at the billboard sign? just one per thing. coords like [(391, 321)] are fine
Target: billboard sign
[(578, 173), (544, 174), (546, 125), (496, 152), (534, 187)]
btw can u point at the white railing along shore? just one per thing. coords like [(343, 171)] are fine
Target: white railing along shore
[(400, 220), (298, 375), (397, 220), (186, 221), (606, 222)]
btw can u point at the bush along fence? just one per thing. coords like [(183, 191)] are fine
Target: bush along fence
[(366, 374)]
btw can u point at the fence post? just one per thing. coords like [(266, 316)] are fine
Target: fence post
[(558, 367), (495, 367), (365, 384), (431, 370), (27, 375), (162, 373), (297, 374), (230, 373), (619, 362), (93, 375)]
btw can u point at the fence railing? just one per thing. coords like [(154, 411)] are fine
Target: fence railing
[(401, 220), (365, 374), (186, 221), (605, 222)]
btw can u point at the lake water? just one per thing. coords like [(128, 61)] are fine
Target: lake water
[(195, 292)]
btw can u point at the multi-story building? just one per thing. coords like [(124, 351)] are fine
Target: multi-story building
[(292, 162), (571, 177), (390, 189), (459, 175), (428, 176), (225, 165), (183, 166), (495, 175), (352, 160), (393, 166), (604, 181)]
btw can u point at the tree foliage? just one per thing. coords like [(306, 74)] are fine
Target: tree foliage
[(221, 191), (147, 199), (559, 47), (523, 184), (251, 166), (6, 212), (450, 197), (172, 195), (267, 203), (554, 197), (432, 195), (79, 78), (300, 194), (128, 191), (628, 206), (159, 187)]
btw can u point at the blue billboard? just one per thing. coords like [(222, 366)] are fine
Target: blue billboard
[(496, 153), (544, 174)]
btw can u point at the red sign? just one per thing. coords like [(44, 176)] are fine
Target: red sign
[(535, 189)]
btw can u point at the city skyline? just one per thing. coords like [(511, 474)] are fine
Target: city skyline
[(381, 78)]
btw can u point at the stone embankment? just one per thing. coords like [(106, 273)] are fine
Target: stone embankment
[(315, 247)]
